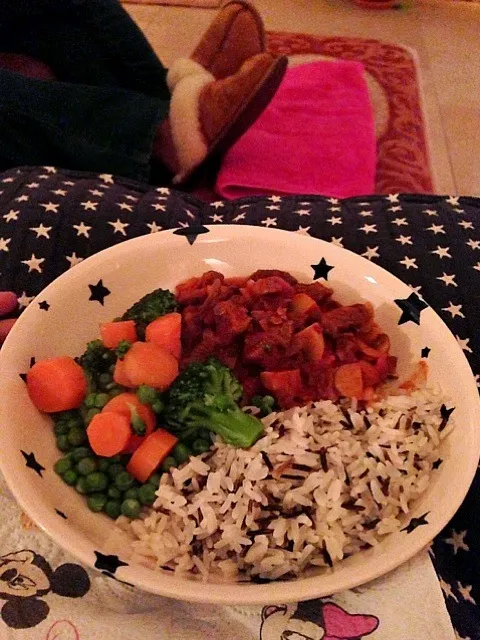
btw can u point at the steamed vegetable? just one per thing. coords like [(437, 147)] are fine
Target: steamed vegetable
[(96, 362), (150, 307), (205, 396), (109, 433), (153, 450), (147, 363), (114, 332), (166, 332), (56, 385)]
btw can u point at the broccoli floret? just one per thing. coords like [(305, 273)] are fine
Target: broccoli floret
[(205, 396), (122, 348), (96, 360), (266, 404), (153, 305)]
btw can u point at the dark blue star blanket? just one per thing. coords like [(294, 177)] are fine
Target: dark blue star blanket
[(50, 220)]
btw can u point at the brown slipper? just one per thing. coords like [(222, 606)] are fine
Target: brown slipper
[(207, 117), (235, 35)]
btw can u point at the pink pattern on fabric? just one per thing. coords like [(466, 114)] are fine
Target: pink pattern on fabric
[(316, 137), (62, 630), (340, 625)]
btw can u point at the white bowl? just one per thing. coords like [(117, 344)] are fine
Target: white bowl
[(133, 268)]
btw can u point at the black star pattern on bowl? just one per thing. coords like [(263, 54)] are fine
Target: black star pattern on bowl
[(445, 414), (23, 376), (107, 563), (321, 270), (44, 305), (98, 292), (61, 514), (191, 233), (437, 463), (425, 352), (416, 522), (411, 308), (32, 463)]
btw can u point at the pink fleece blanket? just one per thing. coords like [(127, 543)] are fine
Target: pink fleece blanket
[(316, 137)]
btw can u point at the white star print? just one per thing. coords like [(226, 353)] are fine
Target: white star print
[(241, 216), (332, 209), (394, 209), (442, 252), (338, 242), (32, 185), (464, 591), (190, 214), (477, 380), (49, 206), (333, 220), (24, 300), (270, 222), (447, 590), (43, 177), (463, 343), (275, 199), (371, 252), (7, 180), (22, 199), (11, 215), (303, 212), (458, 541), (273, 207), (124, 206), (119, 226), (417, 290), (400, 222), (34, 263), (303, 231), (369, 228), (430, 212), (409, 263), (42, 231), (163, 190), (82, 229), (332, 200), (448, 280), (216, 218), (132, 198), (96, 192), (477, 266), (436, 228), (89, 205), (159, 207), (68, 183), (393, 197), (184, 225), (59, 192), (106, 177), (50, 169), (454, 309), (73, 260), (466, 224), (404, 239), (366, 214), (452, 200), (218, 204), (154, 227), (473, 244), (4, 242), (244, 206)]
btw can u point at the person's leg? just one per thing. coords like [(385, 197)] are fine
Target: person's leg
[(104, 129), (92, 42)]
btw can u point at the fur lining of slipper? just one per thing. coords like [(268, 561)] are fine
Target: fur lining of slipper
[(189, 141), (182, 68)]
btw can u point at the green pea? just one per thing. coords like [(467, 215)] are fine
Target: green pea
[(146, 494), (115, 391), (76, 421), (131, 508), (104, 379), (70, 477), (81, 452), (61, 428), (96, 481), (168, 463), (90, 400), (91, 413), (101, 400), (62, 443), (96, 502), (158, 406), (181, 453), (62, 465), (81, 485), (85, 466), (103, 465), (115, 469), (138, 425), (131, 494), (76, 436), (124, 481), (200, 446), (114, 493), (147, 395), (113, 508), (154, 480)]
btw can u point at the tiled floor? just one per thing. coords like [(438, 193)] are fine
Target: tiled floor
[(445, 36)]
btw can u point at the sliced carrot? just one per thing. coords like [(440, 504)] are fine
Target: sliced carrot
[(108, 433), (127, 404), (310, 340), (349, 380), (150, 454), (379, 346), (119, 375), (114, 332), (166, 331), (370, 374), (303, 307), (57, 384), (147, 363)]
